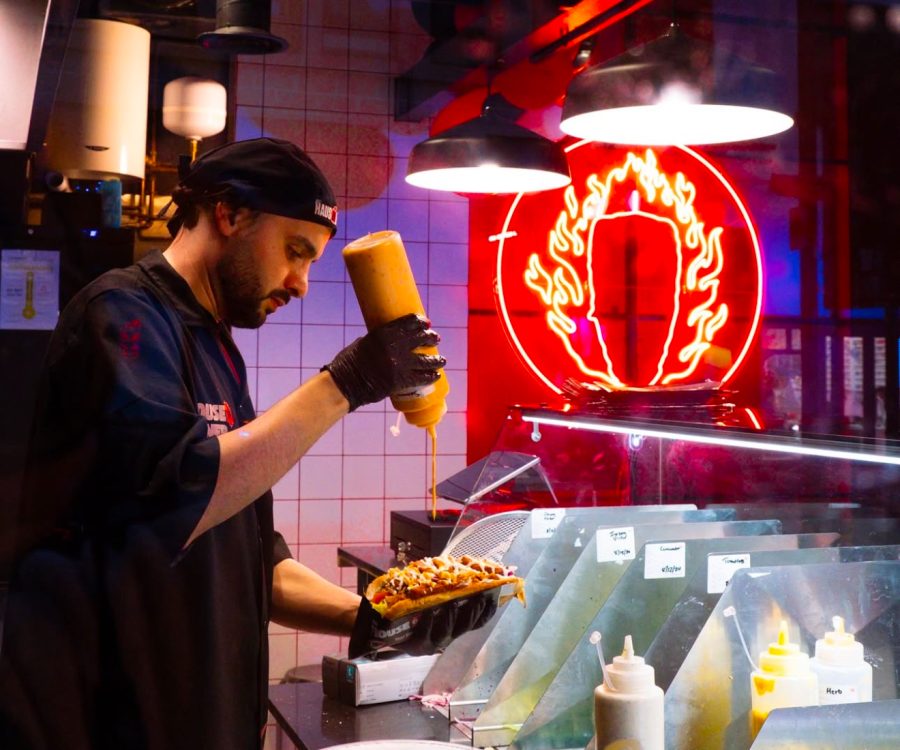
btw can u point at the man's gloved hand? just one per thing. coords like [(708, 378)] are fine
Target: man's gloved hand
[(383, 361), (439, 626), (422, 632)]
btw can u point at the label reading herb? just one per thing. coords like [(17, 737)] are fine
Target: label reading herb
[(833, 694)]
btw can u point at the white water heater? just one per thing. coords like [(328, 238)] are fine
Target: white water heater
[(98, 126)]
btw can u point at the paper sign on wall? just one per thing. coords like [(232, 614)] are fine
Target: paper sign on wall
[(615, 544), (544, 521), (29, 289), (664, 560)]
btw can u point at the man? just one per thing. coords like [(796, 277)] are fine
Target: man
[(149, 568)]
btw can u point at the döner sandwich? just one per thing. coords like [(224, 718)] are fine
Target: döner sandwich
[(432, 581)]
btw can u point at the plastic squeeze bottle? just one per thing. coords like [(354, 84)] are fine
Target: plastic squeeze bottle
[(844, 676), (783, 680), (386, 290), (628, 705)]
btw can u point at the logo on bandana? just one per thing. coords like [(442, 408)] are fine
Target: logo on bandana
[(329, 213), (220, 418)]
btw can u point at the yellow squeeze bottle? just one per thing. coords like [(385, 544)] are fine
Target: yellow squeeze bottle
[(386, 290), (784, 679)]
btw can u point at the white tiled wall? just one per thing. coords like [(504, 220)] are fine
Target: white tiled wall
[(330, 93)]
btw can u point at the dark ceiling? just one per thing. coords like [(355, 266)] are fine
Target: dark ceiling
[(526, 50), (471, 38)]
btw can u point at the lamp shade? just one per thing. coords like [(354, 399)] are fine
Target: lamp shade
[(488, 155), (669, 91), (194, 107), (242, 28)]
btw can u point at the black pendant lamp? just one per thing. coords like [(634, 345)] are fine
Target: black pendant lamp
[(488, 154), (671, 91), (242, 28)]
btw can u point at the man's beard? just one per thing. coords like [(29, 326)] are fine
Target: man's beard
[(240, 289)]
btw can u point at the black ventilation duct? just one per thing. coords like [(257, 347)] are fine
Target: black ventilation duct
[(242, 28)]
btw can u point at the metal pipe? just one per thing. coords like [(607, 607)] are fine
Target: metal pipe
[(588, 27)]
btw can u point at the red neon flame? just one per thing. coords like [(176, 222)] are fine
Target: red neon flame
[(757, 312), (754, 419), (559, 286)]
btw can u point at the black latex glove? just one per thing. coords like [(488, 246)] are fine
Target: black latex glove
[(383, 361), (424, 632)]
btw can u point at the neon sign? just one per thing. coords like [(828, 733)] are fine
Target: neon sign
[(645, 271)]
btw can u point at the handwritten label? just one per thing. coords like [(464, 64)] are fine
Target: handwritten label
[(720, 568), (544, 521), (833, 694), (664, 560), (615, 544)]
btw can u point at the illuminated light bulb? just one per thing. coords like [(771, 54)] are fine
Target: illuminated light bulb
[(861, 17), (679, 94), (892, 18), (668, 92), (488, 155), (684, 124), (488, 179)]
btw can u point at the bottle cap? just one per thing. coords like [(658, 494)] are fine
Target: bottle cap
[(428, 416), (629, 673), (838, 647), (372, 239), (783, 657)]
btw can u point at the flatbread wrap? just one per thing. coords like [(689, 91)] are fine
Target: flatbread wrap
[(433, 581)]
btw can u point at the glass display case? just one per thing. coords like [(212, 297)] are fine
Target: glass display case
[(748, 528), (595, 460)]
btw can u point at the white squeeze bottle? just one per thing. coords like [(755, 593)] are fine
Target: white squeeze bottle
[(783, 680), (844, 676), (628, 705)]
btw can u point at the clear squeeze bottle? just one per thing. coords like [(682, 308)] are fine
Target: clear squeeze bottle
[(844, 676), (783, 680), (386, 290), (628, 705)]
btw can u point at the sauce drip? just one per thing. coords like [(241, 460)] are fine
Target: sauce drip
[(432, 433)]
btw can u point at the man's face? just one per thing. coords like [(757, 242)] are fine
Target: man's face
[(265, 263)]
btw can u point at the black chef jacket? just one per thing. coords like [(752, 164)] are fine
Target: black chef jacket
[(115, 636)]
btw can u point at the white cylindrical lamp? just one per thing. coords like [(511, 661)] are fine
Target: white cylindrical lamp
[(194, 108)]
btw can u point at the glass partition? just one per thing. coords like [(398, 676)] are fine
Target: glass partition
[(657, 583), (667, 614), (850, 726), (708, 703), (606, 557), (555, 551), (591, 459), (790, 501)]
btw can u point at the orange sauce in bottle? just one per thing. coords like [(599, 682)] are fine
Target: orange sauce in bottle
[(386, 290)]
